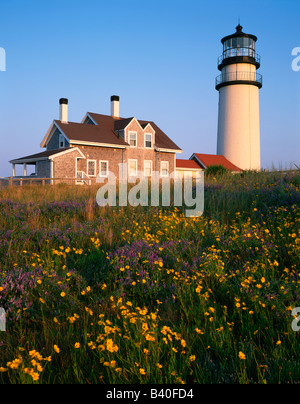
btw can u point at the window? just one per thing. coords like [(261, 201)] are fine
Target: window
[(61, 141), (132, 139), (164, 169), (91, 168), (103, 168), (132, 168), (240, 42), (227, 44), (148, 168), (148, 139), (245, 42)]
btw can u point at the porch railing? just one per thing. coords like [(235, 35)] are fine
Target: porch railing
[(22, 181), (83, 178)]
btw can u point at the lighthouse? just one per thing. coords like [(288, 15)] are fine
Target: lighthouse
[(238, 115)]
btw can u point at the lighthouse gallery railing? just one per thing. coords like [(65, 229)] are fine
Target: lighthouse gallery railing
[(239, 76), (235, 52)]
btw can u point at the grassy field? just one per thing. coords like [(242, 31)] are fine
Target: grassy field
[(145, 295)]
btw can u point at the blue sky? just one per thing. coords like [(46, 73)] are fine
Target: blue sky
[(159, 56)]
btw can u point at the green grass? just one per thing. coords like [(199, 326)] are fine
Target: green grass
[(145, 295)]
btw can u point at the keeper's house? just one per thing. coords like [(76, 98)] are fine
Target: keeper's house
[(97, 146)]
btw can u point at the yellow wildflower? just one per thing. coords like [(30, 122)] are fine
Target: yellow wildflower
[(242, 356), (56, 349)]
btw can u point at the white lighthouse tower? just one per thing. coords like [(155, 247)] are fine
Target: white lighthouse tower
[(238, 86)]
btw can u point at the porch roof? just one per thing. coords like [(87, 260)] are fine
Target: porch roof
[(33, 158)]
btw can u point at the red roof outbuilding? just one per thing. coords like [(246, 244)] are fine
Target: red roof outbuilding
[(187, 164), (206, 160)]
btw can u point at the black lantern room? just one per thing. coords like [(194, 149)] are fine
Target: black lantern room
[(239, 48)]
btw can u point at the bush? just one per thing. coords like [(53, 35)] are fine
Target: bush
[(215, 170)]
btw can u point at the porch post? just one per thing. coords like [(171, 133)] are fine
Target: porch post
[(51, 171), (25, 170), (14, 170)]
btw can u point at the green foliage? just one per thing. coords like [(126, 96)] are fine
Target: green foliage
[(215, 170)]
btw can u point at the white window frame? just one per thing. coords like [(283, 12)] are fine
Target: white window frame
[(132, 133), (87, 168), (136, 170), (151, 167), (61, 139), (148, 147), (161, 168), (107, 169)]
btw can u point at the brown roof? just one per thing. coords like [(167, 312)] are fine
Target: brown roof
[(207, 160), (180, 163), (122, 123), (82, 132), (162, 141), (112, 124), (41, 155)]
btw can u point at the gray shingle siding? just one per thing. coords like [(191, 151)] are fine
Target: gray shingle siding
[(43, 169), (54, 141)]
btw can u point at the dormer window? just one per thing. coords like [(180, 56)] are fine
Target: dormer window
[(61, 141), (120, 133), (132, 139), (148, 140)]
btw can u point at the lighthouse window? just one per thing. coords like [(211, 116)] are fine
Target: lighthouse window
[(246, 43), (240, 42)]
